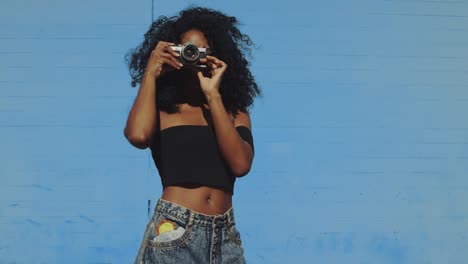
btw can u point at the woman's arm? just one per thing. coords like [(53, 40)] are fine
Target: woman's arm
[(236, 151), (141, 120), (142, 117)]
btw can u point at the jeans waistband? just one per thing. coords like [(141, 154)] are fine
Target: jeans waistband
[(186, 214)]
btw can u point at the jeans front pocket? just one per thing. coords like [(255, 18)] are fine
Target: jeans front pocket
[(168, 231)]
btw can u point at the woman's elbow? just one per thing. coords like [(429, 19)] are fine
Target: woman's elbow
[(137, 140), (242, 169)]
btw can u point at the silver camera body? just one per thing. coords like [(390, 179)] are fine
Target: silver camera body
[(190, 55)]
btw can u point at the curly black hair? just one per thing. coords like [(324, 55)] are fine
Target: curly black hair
[(238, 87)]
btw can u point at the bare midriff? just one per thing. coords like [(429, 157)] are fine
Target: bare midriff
[(202, 199)]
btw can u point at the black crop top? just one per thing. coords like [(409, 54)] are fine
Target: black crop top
[(190, 154)]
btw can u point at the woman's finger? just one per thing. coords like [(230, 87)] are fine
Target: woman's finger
[(207, 62), (165, 47), (161, 45), (219, 63), (170, 62), (200, 75), (222, 64), (172, 58), (169, 49)]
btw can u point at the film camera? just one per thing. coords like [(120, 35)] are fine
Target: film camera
[(190, 55)]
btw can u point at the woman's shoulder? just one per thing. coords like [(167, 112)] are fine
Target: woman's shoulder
[(242, 118)]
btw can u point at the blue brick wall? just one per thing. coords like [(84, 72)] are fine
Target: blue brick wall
[(361, 137)]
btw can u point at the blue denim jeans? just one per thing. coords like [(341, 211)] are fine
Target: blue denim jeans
[(176, 234)]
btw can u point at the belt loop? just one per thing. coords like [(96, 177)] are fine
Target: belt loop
[(190, 218), (213, 223)]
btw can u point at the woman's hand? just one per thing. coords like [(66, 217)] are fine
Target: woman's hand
[(163, 59), (210, 85)]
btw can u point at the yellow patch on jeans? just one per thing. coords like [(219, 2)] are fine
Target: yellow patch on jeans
[(165, 226)]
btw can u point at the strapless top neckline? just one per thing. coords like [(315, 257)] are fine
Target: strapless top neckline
[(181, 126), (190, 126)]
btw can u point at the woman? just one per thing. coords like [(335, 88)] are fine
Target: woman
[(196, 123)]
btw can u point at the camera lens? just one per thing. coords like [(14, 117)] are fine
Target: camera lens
[(190, 53)]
